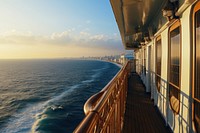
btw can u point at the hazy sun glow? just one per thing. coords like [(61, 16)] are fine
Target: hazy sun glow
[(57, 29)]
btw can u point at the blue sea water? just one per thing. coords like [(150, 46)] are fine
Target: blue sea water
[(47, 96)]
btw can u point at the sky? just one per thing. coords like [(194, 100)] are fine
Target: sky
[(57, 29)]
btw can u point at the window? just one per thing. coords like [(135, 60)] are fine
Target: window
[(158, 62), (174, 67), (141, 62), (144, 67), (196, 74)]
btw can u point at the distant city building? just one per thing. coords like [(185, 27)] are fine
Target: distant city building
[(120, 59), (126, 57)]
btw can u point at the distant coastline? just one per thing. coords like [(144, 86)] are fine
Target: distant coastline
[(115, 63)]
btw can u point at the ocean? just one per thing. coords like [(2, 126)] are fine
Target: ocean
[(47, 96)]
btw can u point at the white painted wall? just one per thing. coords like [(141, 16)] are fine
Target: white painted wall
[(179, 123)]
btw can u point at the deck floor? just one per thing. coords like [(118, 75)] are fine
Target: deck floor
[(141, 115)]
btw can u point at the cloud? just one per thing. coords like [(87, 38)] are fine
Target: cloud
[(98, 37), (14, 37), (69, 43), (82, 33), (88, 22), (66, 38)]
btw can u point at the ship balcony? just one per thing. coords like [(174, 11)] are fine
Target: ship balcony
[(122, 106)]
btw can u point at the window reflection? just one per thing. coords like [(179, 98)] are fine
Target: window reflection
[(174, 67), (175, 57), (144, 67), (197, 74), (197, 90), (158, 63)]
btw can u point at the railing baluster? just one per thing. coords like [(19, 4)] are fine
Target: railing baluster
[(105, 110)]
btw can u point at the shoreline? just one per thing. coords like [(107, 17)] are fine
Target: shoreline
[(119, 65)]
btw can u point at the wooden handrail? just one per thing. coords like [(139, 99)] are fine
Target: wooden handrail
[(105, 110), (91, 102)]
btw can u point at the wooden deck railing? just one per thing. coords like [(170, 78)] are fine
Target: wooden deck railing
[(105, 110)]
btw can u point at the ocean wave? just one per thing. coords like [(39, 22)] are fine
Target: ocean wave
[(54, 109), (51, 114), (100, 69), (51, 107), (23, 120), (87, 81)]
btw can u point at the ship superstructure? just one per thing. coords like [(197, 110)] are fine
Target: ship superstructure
[(165, 37)]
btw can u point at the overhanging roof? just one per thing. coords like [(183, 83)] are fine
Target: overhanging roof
[(135, 17)]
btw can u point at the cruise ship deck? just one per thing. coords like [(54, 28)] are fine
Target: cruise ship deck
[(141, 115), (165, 38)]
